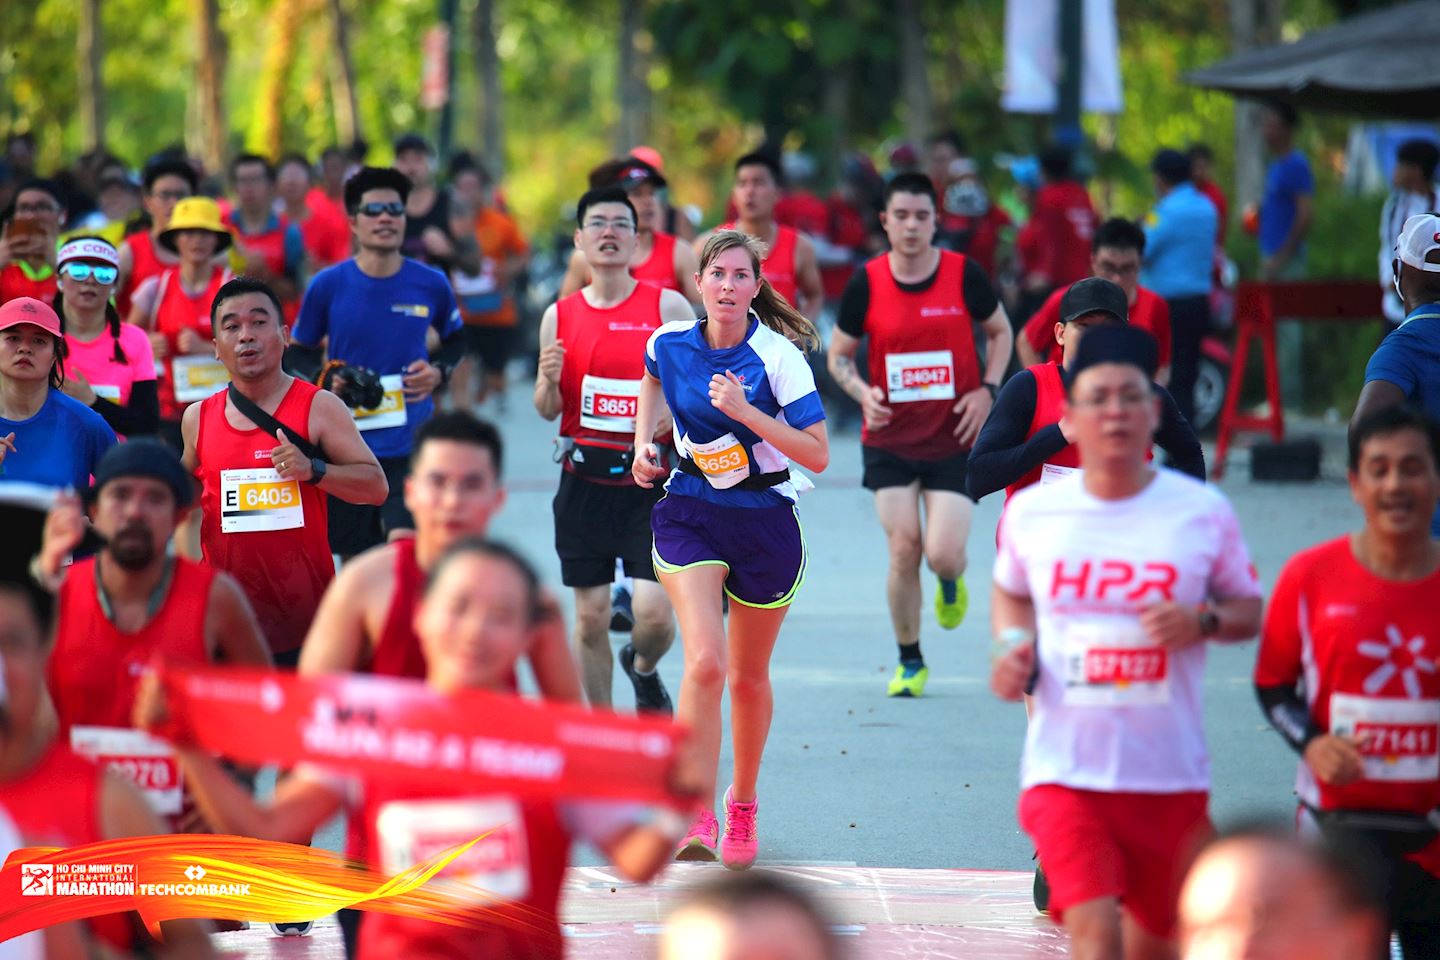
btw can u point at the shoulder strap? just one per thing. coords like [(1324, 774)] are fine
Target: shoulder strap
[(270, 425)]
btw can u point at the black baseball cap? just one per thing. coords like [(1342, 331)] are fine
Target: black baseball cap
[(144, 457), (1116, 344), (1094, 295)]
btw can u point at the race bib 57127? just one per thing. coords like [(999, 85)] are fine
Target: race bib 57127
[(1114, 664)]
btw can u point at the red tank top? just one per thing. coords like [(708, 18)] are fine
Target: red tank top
[(176, 310), (922, 350), (57, 804), (95, 667), (1049, 408), (145, 263), (397, 654), (15, 282), (659, 268), (269, 246), (604, 364), (520, 864), (778, 267), (267, 533)]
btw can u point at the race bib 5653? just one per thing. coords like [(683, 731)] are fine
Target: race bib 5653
[(723, 461)]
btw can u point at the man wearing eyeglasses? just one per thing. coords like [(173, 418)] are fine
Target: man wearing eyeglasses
[(374, 311), (1115, 255), (27, 247), (166, 182), (592, 359), (1125, 572)]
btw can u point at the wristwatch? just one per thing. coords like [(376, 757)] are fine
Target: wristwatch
[(317, 471), (994, 389), (1209, 621)]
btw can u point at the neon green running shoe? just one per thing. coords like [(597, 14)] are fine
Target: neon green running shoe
[(909, 680), (951, 611)]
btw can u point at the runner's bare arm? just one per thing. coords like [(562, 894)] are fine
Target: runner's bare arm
[(577, 274), (999, 340), (189, 431), (645, 468), (840, 361), (124, 813), (551, 658), (552, 361), (299, 808), (811, 294), (232, 634), (1024, 352), (353, 474), (341, 638), (1012, 669), (1178, 625), (809, 447), (687, 264)]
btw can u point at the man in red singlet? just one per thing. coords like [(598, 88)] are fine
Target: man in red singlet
[(923, 403), (658, 258), (790, 265), (1349, 671), (1026, 438), (264, 484), (56, 798), (592, 351), (271, 244), (131, 602), (166, 183)]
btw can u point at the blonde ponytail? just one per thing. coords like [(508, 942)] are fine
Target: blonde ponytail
[(774, 310)]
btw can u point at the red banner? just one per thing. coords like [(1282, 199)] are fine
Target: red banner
[(387, 728)]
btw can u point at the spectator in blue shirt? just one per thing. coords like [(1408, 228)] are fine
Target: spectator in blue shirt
[(1405, 368), (46, 438), (1179, 257), (1285, 208), (374, 311)]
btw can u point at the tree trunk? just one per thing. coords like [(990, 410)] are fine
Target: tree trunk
[(914, 82), (342, 75), (487, 62), (210, 85), (92, 88), (633, 86), (1252, 23), (268, 131)]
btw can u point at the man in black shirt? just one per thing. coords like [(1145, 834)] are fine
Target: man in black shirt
[(1016, 447)]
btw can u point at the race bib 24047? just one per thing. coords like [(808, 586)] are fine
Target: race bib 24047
[(1400, 736), (1111, 664), (254, 501), (390, 413), (910, 377), (609, 404)]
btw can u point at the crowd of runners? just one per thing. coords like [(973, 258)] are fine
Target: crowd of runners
[(252, 425)]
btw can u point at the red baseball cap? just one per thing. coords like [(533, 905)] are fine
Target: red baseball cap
[(37, 313)]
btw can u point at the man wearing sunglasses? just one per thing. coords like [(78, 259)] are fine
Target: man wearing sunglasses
[(374, 311), (27, 247)]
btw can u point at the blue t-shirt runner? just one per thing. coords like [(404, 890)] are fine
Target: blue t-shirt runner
[(380, 323), (58, 447), (1409, 358)]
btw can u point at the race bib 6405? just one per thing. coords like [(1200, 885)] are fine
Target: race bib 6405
[(253, 501), (929, 375)]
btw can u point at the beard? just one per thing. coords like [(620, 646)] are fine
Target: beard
[(132, 548)]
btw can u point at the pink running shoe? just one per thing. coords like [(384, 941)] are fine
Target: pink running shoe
[(738, 849), (703, 840)]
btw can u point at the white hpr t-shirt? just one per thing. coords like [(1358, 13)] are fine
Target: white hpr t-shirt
[(1113, 710)]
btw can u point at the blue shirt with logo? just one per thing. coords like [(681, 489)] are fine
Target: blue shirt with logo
[(1286, 181), (59, 446), (1410, 359), (1180, 244), (380, 323), (777, 381)]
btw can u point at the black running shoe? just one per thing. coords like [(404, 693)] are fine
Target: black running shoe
[(1041, 890), (622, 613), (650, 693)]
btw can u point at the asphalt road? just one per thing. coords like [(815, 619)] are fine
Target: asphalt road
[(851, 776)]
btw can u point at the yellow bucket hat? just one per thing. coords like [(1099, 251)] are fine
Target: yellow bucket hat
[(196, 213)]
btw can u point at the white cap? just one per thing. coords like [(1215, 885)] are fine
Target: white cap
[(1419, 236)]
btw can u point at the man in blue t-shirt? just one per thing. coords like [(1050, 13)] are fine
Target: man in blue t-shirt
[(375, 311), (1405, 368), (1285, 209)]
